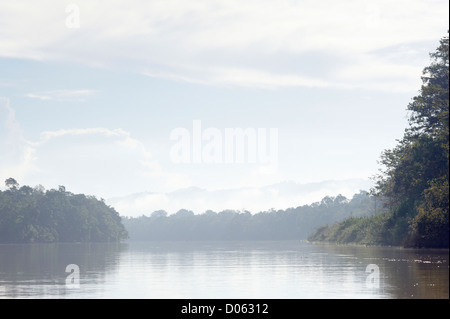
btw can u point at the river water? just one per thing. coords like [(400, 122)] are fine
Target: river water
[(225, 269)]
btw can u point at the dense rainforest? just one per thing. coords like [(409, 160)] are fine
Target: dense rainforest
[(414, 177), (30, 215), (292, 223), (34, 215)]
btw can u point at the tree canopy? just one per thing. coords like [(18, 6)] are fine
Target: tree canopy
[(35, 215), (292, 223)]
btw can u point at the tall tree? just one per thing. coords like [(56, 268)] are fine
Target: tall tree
[(11, 183)]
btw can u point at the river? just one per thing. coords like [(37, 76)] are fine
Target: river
[(225, 269)]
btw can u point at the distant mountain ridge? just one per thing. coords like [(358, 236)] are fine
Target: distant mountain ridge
[(281, 195)]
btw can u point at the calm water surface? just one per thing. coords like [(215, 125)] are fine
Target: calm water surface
[(280, 269)]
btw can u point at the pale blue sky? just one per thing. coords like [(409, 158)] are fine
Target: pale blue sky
[(92, 108)]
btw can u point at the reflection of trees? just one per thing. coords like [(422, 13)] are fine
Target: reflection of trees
[(423, 275), (39, 269), (404, 273)]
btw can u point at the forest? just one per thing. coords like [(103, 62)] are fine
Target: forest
[(36, 215), (414, 175), (31, 215), (293, 223)]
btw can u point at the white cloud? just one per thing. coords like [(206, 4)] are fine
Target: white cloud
[(262, 79), (112, 161), (48, 135), (205, 41), (17, 155), (97, 161)]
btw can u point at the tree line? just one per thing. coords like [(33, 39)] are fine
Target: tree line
[(292, 223), (30, 215), (415, 174)]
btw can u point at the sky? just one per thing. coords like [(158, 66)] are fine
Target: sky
[(103, 97)]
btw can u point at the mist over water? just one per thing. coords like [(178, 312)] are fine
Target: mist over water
[(221, 269)]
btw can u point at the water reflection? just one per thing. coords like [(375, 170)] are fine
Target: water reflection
[(229, 269), (34, 270), (404, 272)]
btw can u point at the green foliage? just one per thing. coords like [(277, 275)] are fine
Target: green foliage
[(293, 223), (381, 229), (32, 215), (431, 225), (415, 176), (430, 108)]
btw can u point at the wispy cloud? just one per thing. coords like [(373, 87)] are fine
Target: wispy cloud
[(207, 41), (62, 95)]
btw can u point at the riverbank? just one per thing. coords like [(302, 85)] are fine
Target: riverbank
[(384, 229)]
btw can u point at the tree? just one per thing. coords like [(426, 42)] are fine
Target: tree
[(159, 214), (430, 108), (11, 183), (26, 190), (431, 225)]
